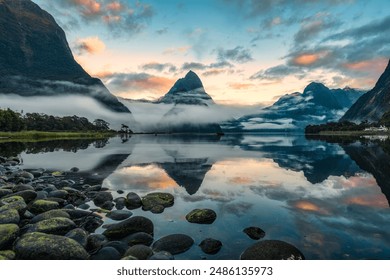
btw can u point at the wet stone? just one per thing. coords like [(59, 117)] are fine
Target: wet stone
[(119, 215), (59, 226), (254, 232), (141, 252), (42, 246), (102, 197), (40, 206), (106, 253), (133, 201), (201, 216), (95, 242), (210, 246), (157, 202), (8, 233), (129, 226), (162, 255), (174, 243), (79, 235), (272, 250), (139, 238), (10, 216)]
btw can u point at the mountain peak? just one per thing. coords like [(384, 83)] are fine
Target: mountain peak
[(188, 90), (315, 87)]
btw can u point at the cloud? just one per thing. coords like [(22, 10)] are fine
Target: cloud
[(241, 86), (177, 50), (90, 45), (120, 17), (126, 84), (275, 73), (308, 59), (194, 66), (239, 54), (159, 67)]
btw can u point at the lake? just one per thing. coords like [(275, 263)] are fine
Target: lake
[(328, 197)]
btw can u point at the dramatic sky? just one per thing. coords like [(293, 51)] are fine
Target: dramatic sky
[(245, 51)]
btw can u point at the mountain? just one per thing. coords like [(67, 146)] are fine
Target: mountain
[(372, 105), (190, 103), (317, 104), (188, 91), (36, 60)]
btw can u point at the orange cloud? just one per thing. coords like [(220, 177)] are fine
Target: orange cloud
[(90, 7), (110, 19), (309, 206), (306, 59), (91, 45), (241, 180), (114, 7), (378, 201), (239, 86), (376, 65)]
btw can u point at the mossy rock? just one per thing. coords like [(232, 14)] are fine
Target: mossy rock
[(157, 202), (272, 250), (7, 255), (201, 216), (57, 226), (13, 202), (141, 252), (174, 243), (210, 246), (10, 216), (42, 246), (41, 205), (8, 233), (4, 192), (255, 233), (27, 195), (129, 226), (56, 213), (133, 201)]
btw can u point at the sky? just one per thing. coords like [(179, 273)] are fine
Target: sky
[(246, 52)]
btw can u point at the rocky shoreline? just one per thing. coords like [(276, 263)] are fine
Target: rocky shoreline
[(48, 216)]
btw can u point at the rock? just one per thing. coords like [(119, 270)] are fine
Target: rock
[(120, 203), (108, 205), (129, 258), (120, 246), (141, 252), (10, 216), (272, 250), (84, 206), (106, 253), (22, 187), (57, 213), (90, 223), (139, 238), (157, 202), (133, 201), (74, 169), (120, 192), (79, 235), (13, 202), (40, 206), (119, 215), (7, 255), (77, 213), (26, 175), (59, 194), (58, 226), (4, 192), (42, 194), (27, 195), (8, 233), (174, 243), (42, 246), (162, 255), (254, 232), (201, 216), (95, 242), (102, 197), (129, 226), (210, 246), (95, 188)]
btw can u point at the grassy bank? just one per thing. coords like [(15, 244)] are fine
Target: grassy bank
[(44, 135)]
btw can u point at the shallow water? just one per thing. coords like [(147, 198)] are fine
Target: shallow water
[(329, 198)]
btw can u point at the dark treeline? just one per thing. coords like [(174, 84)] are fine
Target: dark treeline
[(347, 126), (15, 121)]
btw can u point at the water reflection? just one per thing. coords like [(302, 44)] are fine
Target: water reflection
[(328, 197)]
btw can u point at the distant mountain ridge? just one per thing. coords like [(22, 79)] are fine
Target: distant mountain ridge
[(317, 104), (372, 105), (35, 58)]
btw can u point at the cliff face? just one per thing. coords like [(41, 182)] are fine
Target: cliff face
[(372, 105), (35, 58)]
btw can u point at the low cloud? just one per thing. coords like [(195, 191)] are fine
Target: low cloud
[(160, 67), (125, 84), (90, 45)]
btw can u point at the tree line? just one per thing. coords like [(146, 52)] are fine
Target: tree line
[(11, 121)]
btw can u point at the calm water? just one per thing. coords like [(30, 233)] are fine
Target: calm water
[(328, 198)]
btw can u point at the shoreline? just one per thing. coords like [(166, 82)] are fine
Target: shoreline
[(49, 135)]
